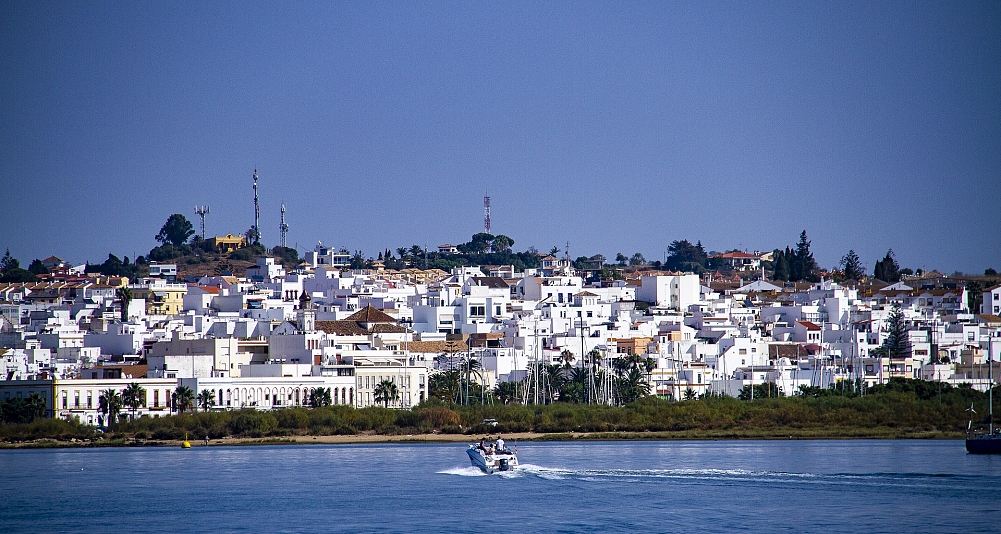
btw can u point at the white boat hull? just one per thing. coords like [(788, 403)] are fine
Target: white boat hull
[(491, 463)]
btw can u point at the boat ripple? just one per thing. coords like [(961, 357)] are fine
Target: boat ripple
[(719, 475)]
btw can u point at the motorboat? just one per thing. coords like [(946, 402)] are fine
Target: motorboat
[(491, 460)]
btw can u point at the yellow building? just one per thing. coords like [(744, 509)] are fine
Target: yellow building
[(161, 297), (228, 242)]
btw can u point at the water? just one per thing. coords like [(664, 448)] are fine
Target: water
[(689, 486)]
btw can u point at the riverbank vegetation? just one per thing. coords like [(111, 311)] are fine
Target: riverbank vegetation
[(901, 408)]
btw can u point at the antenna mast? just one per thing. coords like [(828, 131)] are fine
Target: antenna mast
[(486, 214), (257, 214), (202, 211), (283, 227), (486, 217)]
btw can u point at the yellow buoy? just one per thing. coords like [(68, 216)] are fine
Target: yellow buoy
[(185, 444)]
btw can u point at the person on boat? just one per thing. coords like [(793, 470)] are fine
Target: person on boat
[(500, 444), (483, 445)]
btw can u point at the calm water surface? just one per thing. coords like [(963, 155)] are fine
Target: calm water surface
[(689, 486)]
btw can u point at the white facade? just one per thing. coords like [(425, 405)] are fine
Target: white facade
[(674, 292)]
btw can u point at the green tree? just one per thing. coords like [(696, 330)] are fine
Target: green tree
[(11, 271), (502, 243), (621, 259), (288, 256), (18, 276), (319, 397), (386, 392), (974, 296), (684, 256), (175, 231), (184, 398), (8, 262), (110, 404), (507, 392), (897, 343), (804, 267), (887, 269), (781, 263), (852, 266), (124, 295), (358, 260), (567, 358), (444, 385), (637, 259), (206, 399), (133, 397), (253, 235), (633, 386), (36, 267)]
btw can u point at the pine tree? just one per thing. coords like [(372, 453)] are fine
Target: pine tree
[(852, 266), (897, 344), (795, 267), (887, 269), (781, 265), (805, 264)]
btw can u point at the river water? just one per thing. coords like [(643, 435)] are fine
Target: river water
[(666, 486)]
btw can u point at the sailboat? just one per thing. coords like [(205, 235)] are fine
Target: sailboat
[(989, 443)]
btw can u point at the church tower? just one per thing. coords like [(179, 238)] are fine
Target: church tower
[(305, 316)]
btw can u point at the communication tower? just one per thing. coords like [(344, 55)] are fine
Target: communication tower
[(257, 213), (202, 211), (283, 227), (486, 214)]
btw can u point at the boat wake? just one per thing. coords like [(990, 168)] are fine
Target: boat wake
[(464, 472), (722, 476)]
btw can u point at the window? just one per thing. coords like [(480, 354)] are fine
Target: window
[(65, 400), (742, 351)]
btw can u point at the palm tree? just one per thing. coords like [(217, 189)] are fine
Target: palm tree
[(110, 404), (319, 397), (124, 294), (554, 375), (386, 392), (206, 399), (444, 385), (567, 358), (184, 398), (133, 397), (35, 406), (507, 392), (633, 386)]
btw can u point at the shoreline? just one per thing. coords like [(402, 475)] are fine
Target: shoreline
[(510, 437)]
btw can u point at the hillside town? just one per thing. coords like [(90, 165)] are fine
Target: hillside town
[(362, 335)]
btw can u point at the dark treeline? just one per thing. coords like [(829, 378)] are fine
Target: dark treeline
[(896, 408)]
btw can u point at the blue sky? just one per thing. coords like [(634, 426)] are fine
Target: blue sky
[(617, 126)]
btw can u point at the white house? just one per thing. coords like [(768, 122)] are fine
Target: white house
[(675, 292)]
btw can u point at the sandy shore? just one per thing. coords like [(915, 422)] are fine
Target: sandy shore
[(377, 438)]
